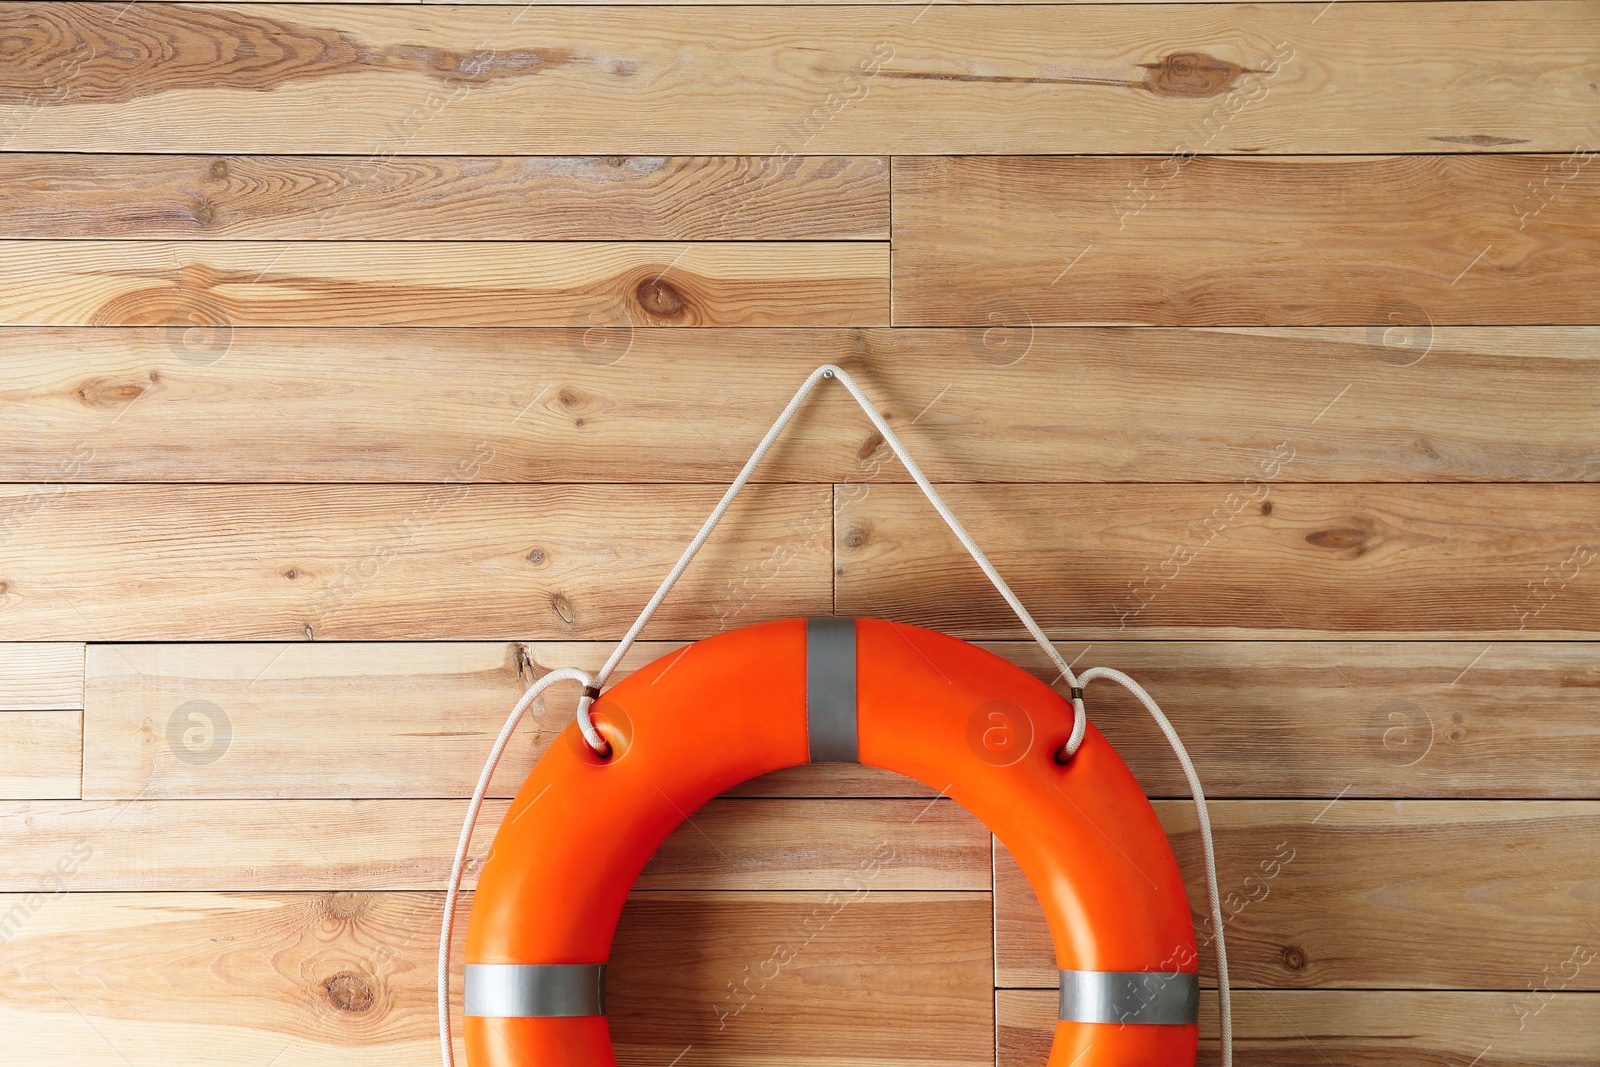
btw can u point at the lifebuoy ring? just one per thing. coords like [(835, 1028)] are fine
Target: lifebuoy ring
[(955, 717)]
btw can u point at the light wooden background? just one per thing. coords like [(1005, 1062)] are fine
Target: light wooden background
[(363, 361)]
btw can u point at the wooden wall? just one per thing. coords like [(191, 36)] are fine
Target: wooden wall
[(363, 361)]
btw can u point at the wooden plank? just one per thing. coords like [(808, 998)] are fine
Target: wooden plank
[(1303, 719), (1353, 1028), (41, 754), (347, 979), (210, 287), (454, 560), (737, 3), (382, 80), (605, 402), (1353, 719), (886, 978), (1509, 562), (155, 711), (1396, 244), (369, 845), (39, 676), (593, 198), (1368, 894)]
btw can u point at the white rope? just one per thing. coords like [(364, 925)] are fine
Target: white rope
[(447, 924), (1208, 854), (592, 686), (1080, 721)]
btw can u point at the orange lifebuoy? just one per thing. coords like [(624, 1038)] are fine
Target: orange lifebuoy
[(951, 715)]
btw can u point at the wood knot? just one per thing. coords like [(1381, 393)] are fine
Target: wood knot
[(1481, 140), (660, 298), (1266, 507), (869, 446), (854, 537), (219, 168), (1339, 539), (204, 213), (537, 557), (563, 607), (1294, 957), (346, 906), (1192, 74), (292, 573), (110, 393), (348, 991)]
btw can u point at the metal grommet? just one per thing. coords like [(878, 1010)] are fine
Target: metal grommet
[(1077, 692)]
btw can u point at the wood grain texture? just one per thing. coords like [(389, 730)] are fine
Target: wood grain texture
[(292, 734), (876, 977), (346, 979), (734, 3), (40, 676), (1397, 244), (1512, 562), (1353, 1028), (456, 560), (212, 287), (357, 79), (539, 198), (743, 844), (1288, 719), (606, 402), (41, 754), (1412, 894)]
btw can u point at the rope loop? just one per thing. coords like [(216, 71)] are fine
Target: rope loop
[(1080, 723), (602, 748)]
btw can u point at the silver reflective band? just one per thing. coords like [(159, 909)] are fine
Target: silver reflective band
[(534, 990), (831, 690), (1130, 997)]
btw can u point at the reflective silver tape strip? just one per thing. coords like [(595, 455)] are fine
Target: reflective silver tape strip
[(1130, 997), (534, 990), (831, 690)]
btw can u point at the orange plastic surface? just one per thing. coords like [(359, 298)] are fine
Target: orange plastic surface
[(699, 721)]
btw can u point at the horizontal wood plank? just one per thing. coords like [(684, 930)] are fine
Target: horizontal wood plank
[(410, 198), (733, 3), (875, 978), (347, 979), (1397, 245), (208, 288), (41, 754), (156, 712), (455, 560), (367, 845), (606, 402), (1513, 562), (39, 676), (1351, 719), (1288, 719), (1156, 79), (1353, 1028), (1367, 893)]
